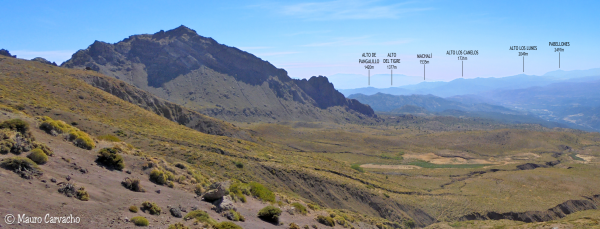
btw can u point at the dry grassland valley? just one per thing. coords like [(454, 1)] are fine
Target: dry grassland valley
[(175, 130)]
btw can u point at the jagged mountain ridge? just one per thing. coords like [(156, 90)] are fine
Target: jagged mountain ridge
[(214, 79)]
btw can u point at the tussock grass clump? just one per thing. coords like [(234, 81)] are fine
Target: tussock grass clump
[(133, 184), (16, 125), (162, 177), (82, 194), (226, 225), (261, 192), (270, 214), (238, 190), (239, 164), (314, 207), (178, 226), (200, 216), (151, 207), (133, 208), (326, 220), (38, 156), (43, 147), (109, 138), (293, 226), (159, 177), (73, 134), (23, 166), (110, 158), (340, 221), (298, 207), (233, 215), (139, 221), (69, 190)]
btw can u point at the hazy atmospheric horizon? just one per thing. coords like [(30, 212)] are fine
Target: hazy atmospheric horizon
[(309, 38)]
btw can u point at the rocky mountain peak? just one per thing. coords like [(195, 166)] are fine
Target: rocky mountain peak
[(183, 67), (5, 52), (176, 32)]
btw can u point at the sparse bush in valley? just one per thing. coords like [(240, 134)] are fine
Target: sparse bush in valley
[(326, 220), (43, 147), (261, 192), (133, 184), (178, 226), (159, 177), (69, 190), (314, 207), (139, 221), (38, 156), (16, 125), (200, 216), (298, 207), (110, 158), (233, 215), (23, 166), (238, 164), (270, 213), (151, 207), (73, 134), (238, 190), (226, 225), (82, 194)]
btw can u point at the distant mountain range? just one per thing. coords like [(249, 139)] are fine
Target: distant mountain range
[(478, 85), (434, 105), (200, 74), (571, 98)]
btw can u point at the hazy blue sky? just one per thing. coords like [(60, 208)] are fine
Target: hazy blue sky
[(327, 37)]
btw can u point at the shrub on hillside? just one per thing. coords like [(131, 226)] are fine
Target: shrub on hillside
[(298, 207), (82, 194), (238, 190), (201, 216), (326, 220), (151, 208), (23, 166), (43, 147), (159, 177), (178, 226), (16, 125), (261, 192), (226, 225), (139, 221), (73, 134), (133, 184), (110, 158), (294, 226), (133, 208), (233, 215), (314, 207), (270, 213), (38, 156)]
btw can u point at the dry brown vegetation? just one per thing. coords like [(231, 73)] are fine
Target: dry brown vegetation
[(311, 162)]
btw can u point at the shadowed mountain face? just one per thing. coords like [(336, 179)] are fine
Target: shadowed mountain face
[(322, 91), (221, 81)]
